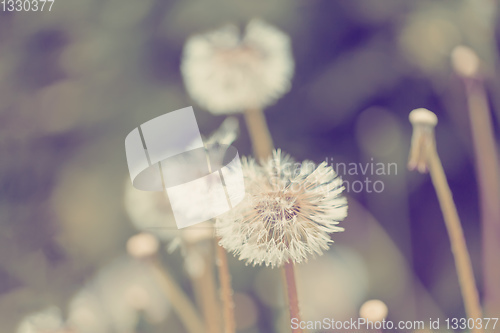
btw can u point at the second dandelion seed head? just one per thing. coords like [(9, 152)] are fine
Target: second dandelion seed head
[(226, 71)]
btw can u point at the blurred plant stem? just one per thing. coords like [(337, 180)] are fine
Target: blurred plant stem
[(487, 169), (459, 248), (204, 287), (263, 149), (424, 156), (260, 136), (293, 300), (226, 291), (181, 304)]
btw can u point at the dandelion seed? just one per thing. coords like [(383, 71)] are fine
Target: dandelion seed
[(227, 72), (288, 212)]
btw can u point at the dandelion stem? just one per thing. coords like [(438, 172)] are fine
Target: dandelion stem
[(226, 289), (424, 156), (181, 304), (293, 301), (206, 292), (455, 232), (487, 169), (263, 149), (262, 142)]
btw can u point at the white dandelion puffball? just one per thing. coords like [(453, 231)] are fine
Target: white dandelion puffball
[(228, 72), (288, 212)]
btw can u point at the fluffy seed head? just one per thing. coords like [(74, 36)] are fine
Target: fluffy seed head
[(227, 72), (288, 212)]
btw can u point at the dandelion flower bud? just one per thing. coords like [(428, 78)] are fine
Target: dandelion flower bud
[(142, 245), (227, 72), (423, 122), (288, 212), (465, 61), (373, 310)]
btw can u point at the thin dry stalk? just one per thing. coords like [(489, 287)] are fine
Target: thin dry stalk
[(487, 169), (206, 292), (468, 66), (262, 142), (181, 304), (293, 301), (226, 291), (263, 148), (455, 232), (424, 156)]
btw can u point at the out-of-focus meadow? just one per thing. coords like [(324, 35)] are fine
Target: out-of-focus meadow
[(75, 81)]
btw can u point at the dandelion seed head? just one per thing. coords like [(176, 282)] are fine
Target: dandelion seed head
[(288, 212), (226, 71)]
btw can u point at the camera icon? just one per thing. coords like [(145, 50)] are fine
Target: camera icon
[(167, 153)]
